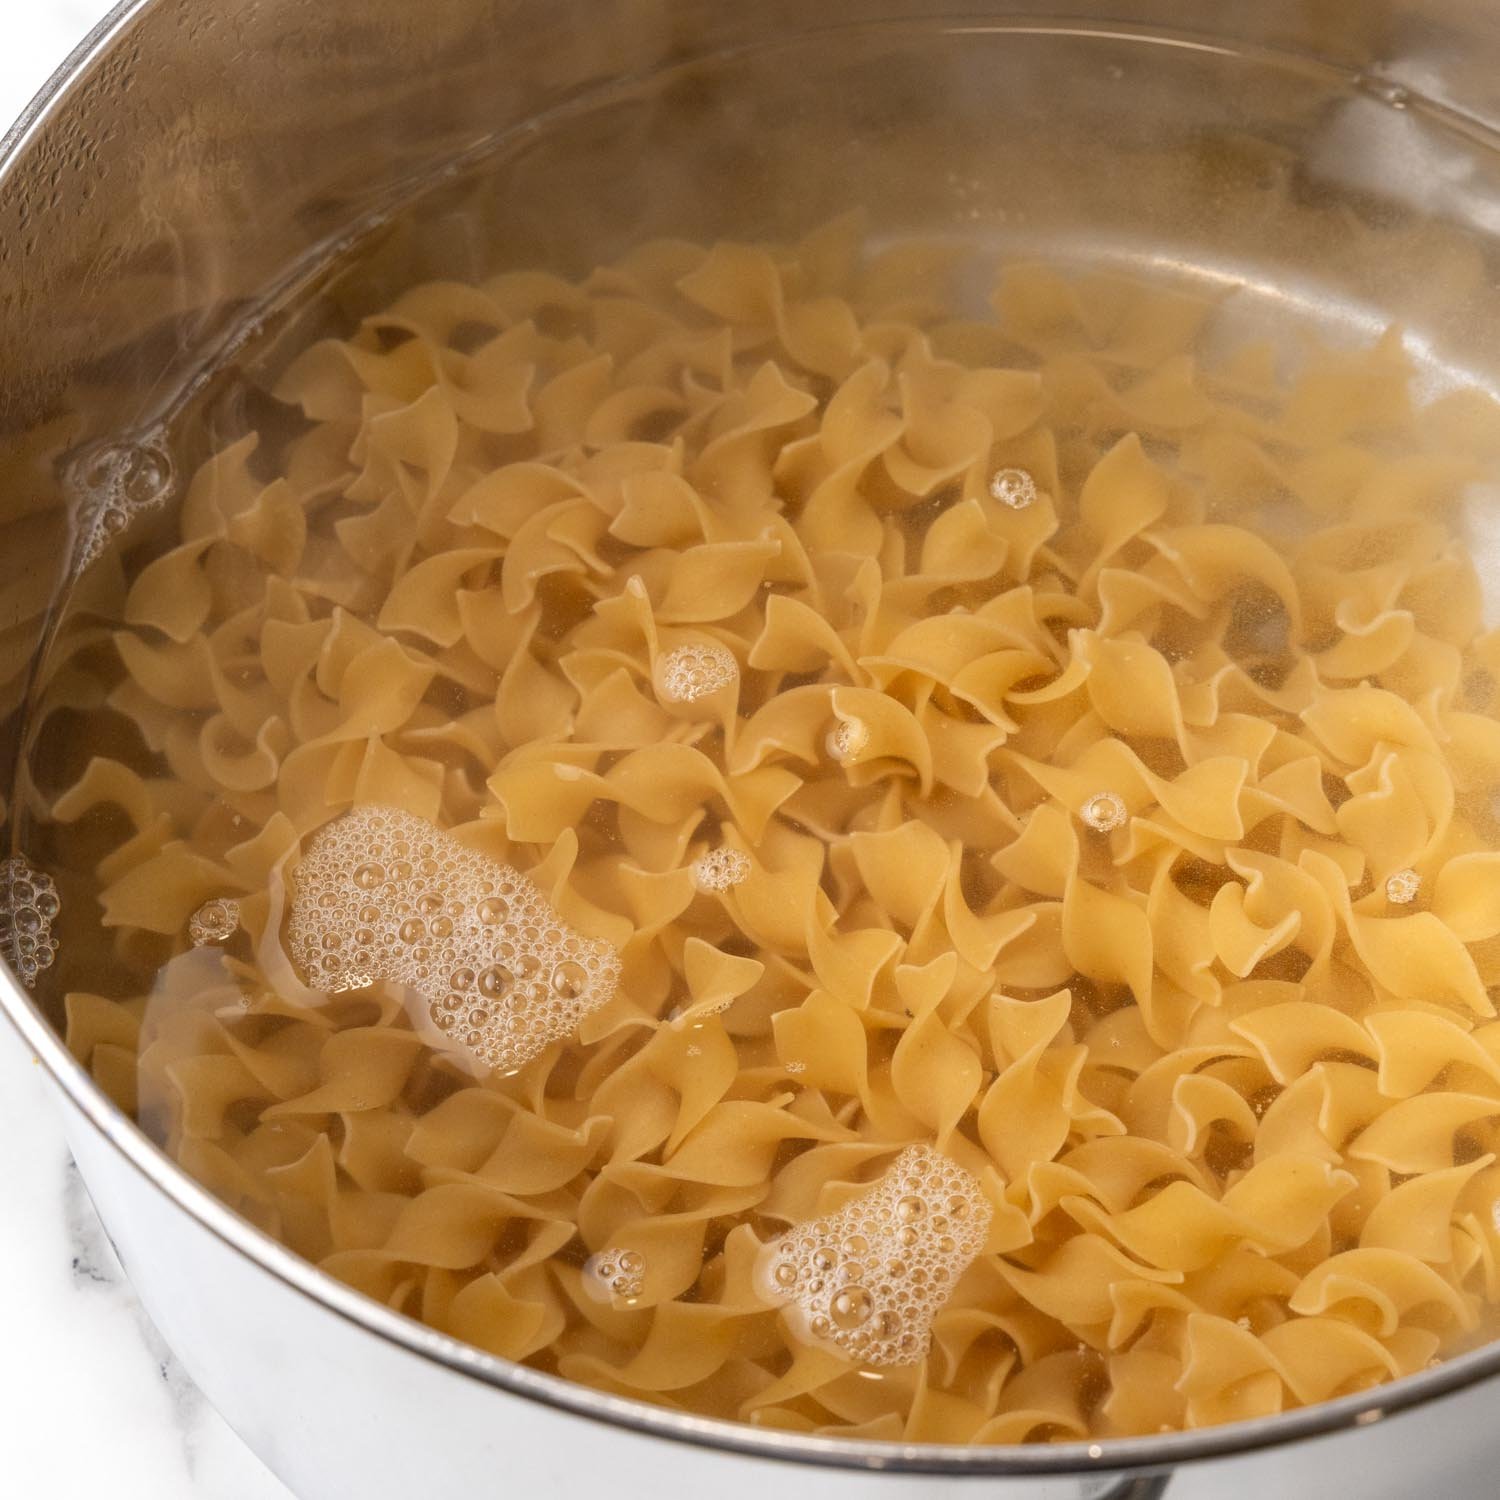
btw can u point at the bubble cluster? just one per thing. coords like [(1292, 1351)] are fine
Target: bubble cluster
[(381, 894), (1104, 811), (215, 921), (693, 672), (615, 1273), (870, 1279), (29, 904), (720, 869), (1014, 487), (1402, 887), (115, 482), (847, 738)]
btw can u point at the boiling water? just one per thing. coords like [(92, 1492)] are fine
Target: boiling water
[(847, 835)]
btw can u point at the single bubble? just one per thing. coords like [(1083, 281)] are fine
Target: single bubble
[(569, 979), (495, 982), (412, 930), (367, 877), (462, 979), (429, 902), (847, 739), (145, 473), (1014, 487), (786, 1274), (910, 1208), (851, 1307), (1104, 811)]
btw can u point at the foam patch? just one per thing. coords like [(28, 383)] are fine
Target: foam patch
[(381, 894), (870, 1279)]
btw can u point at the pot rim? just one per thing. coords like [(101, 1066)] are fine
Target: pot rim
[(1102, 1457)]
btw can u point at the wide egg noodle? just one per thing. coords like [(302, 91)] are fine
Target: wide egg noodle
[(1235, 1113)]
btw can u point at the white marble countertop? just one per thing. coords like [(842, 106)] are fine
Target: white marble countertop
[(91, 1402)]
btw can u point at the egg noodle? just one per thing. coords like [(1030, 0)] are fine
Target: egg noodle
[(1007, 806)]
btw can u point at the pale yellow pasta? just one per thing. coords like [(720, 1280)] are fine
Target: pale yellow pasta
[(1032, 741)]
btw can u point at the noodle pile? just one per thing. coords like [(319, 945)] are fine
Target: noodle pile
[(1052, 742)]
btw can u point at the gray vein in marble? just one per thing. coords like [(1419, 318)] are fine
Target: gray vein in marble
[(97, 1270)]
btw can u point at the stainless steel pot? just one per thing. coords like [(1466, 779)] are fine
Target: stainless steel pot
[(195, 159)]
